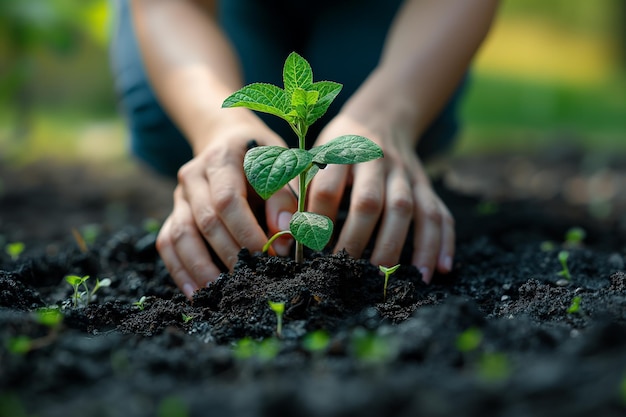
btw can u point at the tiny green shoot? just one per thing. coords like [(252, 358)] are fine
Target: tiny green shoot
[(469, 340), (187, 318), (564, 272), (316, 342), (547, 246), (141, 303), (19, 345), (494, 367), (14, 249), (575, 305), (270, 168), (575, 236), (248, 348), (279, 309), (84, 297), (388, 271)]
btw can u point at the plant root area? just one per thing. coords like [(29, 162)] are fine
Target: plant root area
[(502, 335)]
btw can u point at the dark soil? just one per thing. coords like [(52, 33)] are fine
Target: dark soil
[(493, 338)]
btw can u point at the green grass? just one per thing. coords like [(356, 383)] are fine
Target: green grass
[(501, 113)]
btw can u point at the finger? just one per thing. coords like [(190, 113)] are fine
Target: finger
[(279, 210), (184, 253), (427, 237), (397, 218), (446, 253), (366, 205)]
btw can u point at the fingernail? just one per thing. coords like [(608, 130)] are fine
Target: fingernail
[(188, 290), (284, 217), (425, 274)]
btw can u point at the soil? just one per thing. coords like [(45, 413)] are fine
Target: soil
[(493, 338)]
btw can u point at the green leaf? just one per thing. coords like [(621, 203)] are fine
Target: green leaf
[(310, 174), (302, 101), (327, 90), (270, 168), (311, 229), (75, 280), (347, 149), (266, 98), (297, 73)]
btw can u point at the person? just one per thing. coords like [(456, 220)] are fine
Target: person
[(402, 65)]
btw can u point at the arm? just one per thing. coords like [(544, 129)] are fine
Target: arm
[(192, 68), (427, 52)]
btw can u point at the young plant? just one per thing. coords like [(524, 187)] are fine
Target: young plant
[(575, 305), (388, 272), (574, 236), (279, 309), (14, 249), (564, 272), (270, 168), (141, 303), (84, 297), (187, 318)]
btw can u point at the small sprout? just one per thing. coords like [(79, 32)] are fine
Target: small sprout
[(564, 272), (84, 297), (494, 367), (187, 318), (279, 309), (469, 340), (316, 341), (14, 249), (371, 347), (388, 272), (575, 306), (487, 208), (141, 304), (151, 225), (547, 246), (248, 348), (19, 345), (49, 316), (575, 236)]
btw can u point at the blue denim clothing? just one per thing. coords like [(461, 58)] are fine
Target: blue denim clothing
[(343, 43)]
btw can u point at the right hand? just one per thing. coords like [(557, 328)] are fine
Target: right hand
[(213, 204)]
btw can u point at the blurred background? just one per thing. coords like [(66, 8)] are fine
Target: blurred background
[(549, 71)]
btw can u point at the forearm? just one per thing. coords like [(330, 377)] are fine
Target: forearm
[(427, 52), (190, 63)]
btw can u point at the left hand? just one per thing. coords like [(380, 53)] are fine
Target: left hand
[(394, 190)]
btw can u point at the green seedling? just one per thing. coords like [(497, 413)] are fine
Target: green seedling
[(469, 340), (50, 317), (575, 305), (316, 342), (574, 236), (371, 347), (248, 348), (564, 272), (547, 246), (279, 309), (270, 168), (84, 297), (388, 272), (14, 249), (151, 225), (141, 303), (494, 367), (187, 318)]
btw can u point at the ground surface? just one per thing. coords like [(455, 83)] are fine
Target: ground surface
[(494, 338)]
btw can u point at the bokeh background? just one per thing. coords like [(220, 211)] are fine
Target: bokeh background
[(549, 71)]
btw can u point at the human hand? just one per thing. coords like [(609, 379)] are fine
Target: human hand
[(213, 205), (394, 190)]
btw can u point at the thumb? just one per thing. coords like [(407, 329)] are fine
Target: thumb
[(278, 209)]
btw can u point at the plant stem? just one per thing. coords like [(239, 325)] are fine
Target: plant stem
[(301, 129)]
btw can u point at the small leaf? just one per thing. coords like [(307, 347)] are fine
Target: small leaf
[(346, 149), (310, 174), (276, 306), (270, 168), (311, 229), (266, 98), (75, 280), (302, 102), (327, 91), (297, 73)]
